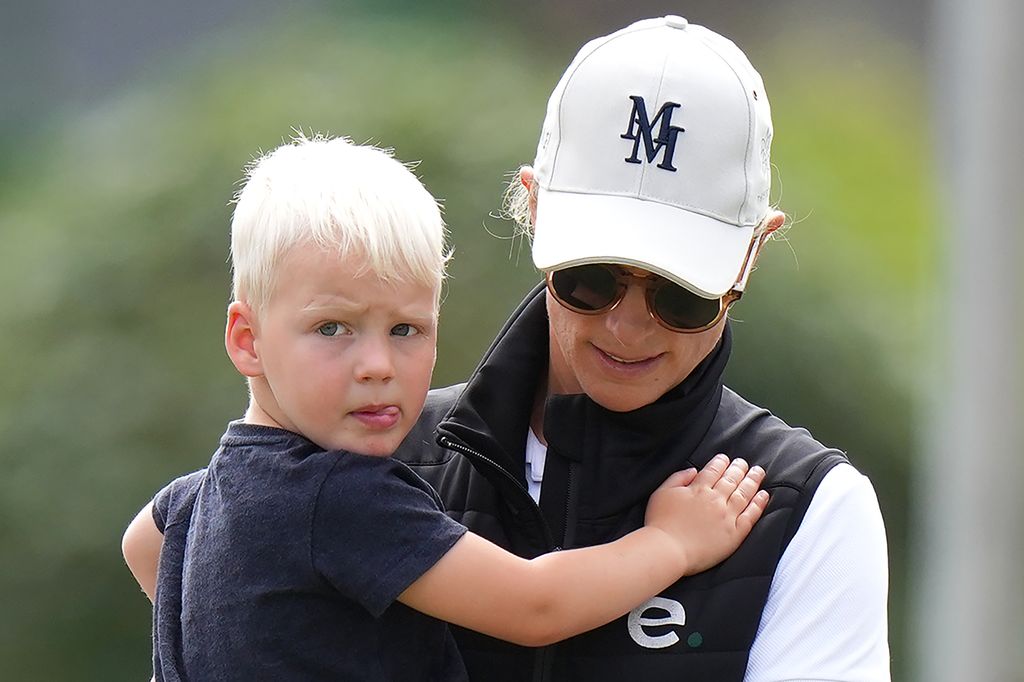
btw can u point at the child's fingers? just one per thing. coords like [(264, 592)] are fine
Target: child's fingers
[(712, 471), (731, 477), (749, 516), (680, 478), (746, 489)]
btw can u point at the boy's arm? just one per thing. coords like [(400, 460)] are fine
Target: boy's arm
[(693, 522), (141, 548)]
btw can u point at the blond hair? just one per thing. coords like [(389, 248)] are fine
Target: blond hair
[(356, 199)]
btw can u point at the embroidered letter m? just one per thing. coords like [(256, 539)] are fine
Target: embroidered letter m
[(641, 131)]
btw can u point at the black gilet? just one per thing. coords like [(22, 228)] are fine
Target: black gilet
[(601, 468)]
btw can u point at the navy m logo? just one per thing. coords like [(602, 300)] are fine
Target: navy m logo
[(641, 128)]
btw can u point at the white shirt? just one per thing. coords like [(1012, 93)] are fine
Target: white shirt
[(825, 619)]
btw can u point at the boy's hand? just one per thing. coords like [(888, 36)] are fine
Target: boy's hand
[(708, 514)]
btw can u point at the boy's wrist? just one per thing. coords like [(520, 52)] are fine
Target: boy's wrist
[(669, 550)]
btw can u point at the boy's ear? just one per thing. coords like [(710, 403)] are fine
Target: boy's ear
[(240, 339)]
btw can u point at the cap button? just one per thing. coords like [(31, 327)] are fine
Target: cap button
[(675, 21)]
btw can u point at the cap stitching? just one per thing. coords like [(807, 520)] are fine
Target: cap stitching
[(570, 76), (728, 219), (750, 125), (661, 86)]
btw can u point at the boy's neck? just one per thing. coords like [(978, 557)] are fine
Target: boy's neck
[(254, 414)]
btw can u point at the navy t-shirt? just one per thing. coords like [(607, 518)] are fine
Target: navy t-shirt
[(282, 561)]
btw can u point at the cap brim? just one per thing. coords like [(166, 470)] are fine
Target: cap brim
[(698, 252)]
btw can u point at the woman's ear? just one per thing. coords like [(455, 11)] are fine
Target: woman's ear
[(240, 339), (527, 180), (777, 220)]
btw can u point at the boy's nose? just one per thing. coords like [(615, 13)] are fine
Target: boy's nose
[(375, 362)]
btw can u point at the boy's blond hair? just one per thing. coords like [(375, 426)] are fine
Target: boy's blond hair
[(356, 199)]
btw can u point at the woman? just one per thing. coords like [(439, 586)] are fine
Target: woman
[(648, 205)]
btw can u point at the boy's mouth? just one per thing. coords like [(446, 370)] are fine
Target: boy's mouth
[(378, 417)]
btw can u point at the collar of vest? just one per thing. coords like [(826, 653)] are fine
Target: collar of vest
[(621, 456)]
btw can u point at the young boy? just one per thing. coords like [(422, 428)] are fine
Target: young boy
[(303, 551)]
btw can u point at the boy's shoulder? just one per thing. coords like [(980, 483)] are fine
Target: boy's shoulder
[(173, 504)]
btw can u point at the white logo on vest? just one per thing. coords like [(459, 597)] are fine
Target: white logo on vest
[(637, 621)]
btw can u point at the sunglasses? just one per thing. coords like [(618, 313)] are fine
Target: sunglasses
[(597, 288)]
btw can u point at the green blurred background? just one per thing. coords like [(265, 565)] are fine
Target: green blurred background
[(123, 131)]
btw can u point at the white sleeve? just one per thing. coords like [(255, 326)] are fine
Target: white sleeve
[(825, 618)]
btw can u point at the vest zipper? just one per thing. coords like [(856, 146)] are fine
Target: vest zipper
[(569, 521), (543, 657), (549, 543)]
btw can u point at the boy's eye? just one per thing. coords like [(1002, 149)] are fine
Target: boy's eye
[(331, 329), (404, 330)]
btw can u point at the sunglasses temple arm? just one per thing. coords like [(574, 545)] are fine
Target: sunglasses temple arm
[(748, 263)]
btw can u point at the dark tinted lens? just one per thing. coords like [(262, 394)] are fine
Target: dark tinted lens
[(682, 309), (587, 287)]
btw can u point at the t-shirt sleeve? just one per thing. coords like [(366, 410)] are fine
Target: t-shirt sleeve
[(377, 527), (168, 501)]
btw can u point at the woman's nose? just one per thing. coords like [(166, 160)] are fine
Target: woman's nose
[(630, 321)]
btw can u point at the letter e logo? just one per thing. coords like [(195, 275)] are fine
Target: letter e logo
[(674, 612)]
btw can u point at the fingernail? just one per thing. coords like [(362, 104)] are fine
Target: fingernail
[(722, 458), (756, 471)]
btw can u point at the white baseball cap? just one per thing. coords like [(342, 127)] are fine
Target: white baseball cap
[(655, 153)]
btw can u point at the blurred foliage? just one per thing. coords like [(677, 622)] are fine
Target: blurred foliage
[(831, 335), (115, 226)]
